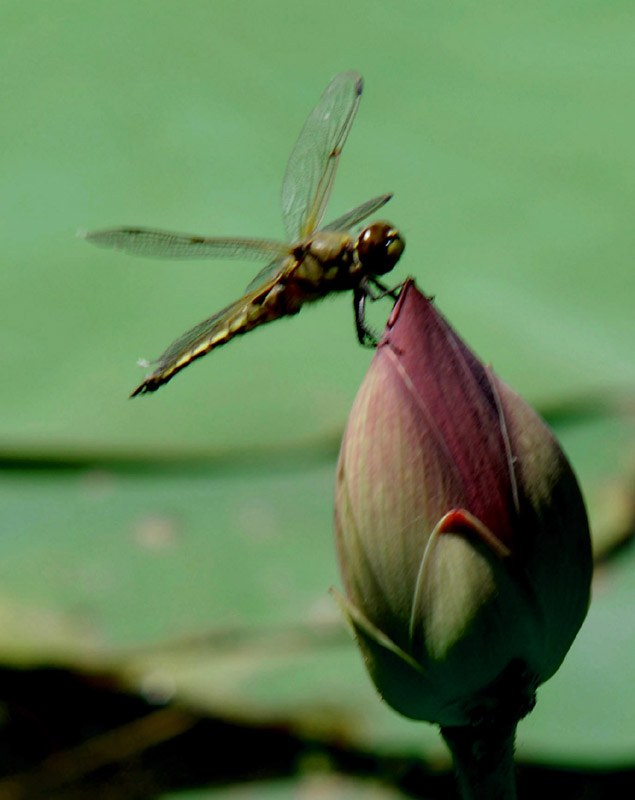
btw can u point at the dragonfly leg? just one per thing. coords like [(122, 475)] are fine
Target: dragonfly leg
[(393, 292), (365, 335)]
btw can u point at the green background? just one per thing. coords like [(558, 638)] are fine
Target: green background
[(506, 133)]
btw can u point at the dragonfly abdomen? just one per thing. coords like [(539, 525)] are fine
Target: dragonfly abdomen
[(272, 304), (257, 309)]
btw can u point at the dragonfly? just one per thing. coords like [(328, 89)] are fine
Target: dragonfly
[(313, 263)]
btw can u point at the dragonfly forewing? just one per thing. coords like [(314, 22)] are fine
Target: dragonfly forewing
[(164, 244), (311, 168), (356, 215)]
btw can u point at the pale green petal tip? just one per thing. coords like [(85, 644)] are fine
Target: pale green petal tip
[(401, 681), (359, 623), (456, 579)]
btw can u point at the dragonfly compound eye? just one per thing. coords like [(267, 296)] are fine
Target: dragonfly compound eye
[(379, 247)]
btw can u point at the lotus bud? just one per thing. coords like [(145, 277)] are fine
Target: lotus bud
[(461, 532)]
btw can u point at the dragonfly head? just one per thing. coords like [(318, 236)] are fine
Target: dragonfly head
[(379, 247)]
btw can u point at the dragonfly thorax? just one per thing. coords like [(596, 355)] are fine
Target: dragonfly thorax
[(378, 248), (324, 261), (330, 246)]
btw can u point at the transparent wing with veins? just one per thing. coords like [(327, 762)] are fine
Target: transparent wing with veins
[(357, 215), (163, 244), (311, 168)]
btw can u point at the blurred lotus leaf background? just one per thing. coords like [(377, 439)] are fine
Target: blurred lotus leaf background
[(165, 623)]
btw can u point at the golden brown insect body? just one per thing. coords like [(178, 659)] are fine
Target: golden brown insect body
[(330, 261), (320, 261)]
